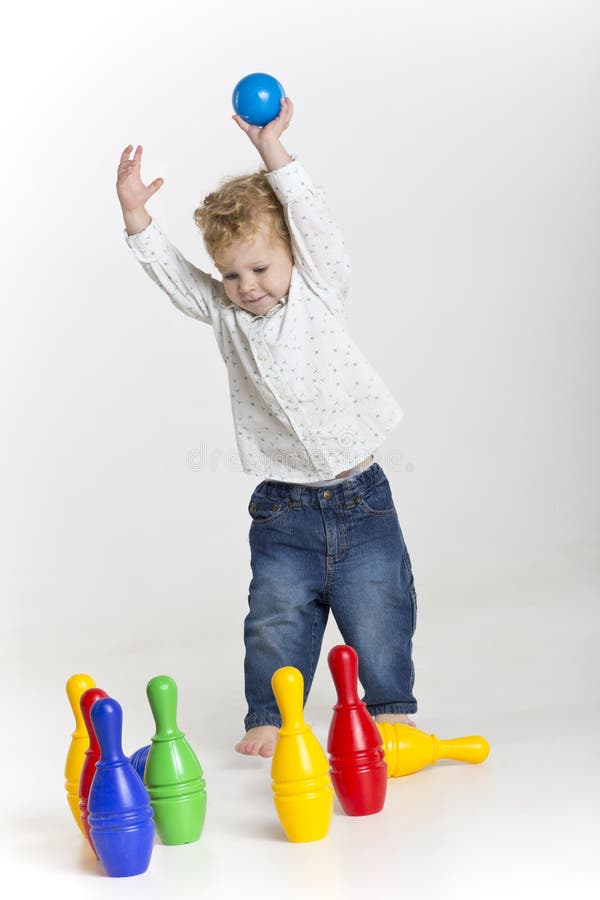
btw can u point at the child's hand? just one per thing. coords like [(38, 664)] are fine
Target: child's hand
[(131, 191), (266, 135)]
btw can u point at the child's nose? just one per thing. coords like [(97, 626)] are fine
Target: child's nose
[(247, 282)]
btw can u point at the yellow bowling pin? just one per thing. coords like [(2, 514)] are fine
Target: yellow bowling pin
[(302, 789), (408, 750), (76, 686)]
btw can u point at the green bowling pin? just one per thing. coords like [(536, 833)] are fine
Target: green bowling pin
[(173, 775)]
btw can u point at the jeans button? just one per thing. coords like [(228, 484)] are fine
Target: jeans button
[(328, 495)]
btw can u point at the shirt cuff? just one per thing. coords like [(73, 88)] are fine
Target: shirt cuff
[(148, 245), (290, 181)]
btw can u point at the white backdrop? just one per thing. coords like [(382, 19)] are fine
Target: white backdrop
[(458, 143)]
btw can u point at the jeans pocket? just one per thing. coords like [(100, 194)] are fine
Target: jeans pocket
[(377, 500), (264, 510)]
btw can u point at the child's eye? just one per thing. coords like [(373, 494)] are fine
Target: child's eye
[(229, 277), (261, 269)]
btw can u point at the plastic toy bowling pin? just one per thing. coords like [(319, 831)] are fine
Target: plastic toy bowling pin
[(358, 767), (302, 789), (138, 760), (173, 774), (409, 750), (119, 811), (76, 685), (92, 755)]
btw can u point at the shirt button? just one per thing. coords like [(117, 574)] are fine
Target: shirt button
[(328, 495)]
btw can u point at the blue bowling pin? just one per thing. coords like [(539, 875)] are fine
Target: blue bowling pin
[(119, 812)]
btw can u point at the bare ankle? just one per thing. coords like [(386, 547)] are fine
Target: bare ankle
[(395, 719)]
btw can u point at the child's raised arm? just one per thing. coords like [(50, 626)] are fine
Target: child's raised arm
[(192, 291), (266, 137), (133, 194), (317, 241)]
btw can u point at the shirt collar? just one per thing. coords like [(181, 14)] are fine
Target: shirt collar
[(280, 303)]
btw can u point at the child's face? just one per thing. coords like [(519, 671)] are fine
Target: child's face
[(256, 273)]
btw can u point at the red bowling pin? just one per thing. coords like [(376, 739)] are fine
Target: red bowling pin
[(92, 755), (356, 758)]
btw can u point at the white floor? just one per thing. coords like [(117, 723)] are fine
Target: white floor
[(523, 824)]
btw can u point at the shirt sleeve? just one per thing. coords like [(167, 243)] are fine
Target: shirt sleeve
[(195, 293), (317, 242)]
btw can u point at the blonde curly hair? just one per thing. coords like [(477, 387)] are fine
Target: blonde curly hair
[(236, 210)]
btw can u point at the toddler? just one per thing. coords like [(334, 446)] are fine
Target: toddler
[(309, 413)]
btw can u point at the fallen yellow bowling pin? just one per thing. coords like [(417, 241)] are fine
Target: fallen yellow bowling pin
[(409, 750), (302, 789), (76, 686)]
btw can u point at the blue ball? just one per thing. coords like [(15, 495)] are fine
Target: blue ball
[(256, 98)]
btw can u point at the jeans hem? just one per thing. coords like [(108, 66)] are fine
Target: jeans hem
[(256, 720), (402, 708)]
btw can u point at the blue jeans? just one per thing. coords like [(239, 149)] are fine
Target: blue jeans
[(315, 549)]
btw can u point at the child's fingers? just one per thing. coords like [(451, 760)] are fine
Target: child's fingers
[(126, 167), (286, 110), (156, 184), (137, 157), (125, 162), (241, 122)]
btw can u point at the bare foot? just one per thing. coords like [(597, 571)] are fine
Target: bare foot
[(259, 741), (395, 718)]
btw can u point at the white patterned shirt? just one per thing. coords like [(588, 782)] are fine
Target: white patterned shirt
[(306, 402)]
